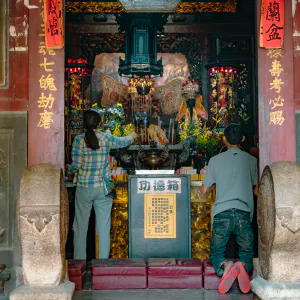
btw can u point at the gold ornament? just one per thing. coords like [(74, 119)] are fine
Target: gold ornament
[(184, 7)]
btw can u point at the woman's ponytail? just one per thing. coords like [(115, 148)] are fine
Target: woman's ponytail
[(91, 120), (91, 139)]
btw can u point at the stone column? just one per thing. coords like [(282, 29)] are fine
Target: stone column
[(42, 215), (279, 233)]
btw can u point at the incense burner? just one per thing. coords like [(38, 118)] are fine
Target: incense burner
[(154, 159), (140, 157)]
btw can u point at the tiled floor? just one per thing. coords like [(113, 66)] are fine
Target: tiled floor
[(160, 294)]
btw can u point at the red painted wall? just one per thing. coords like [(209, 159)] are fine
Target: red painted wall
[(45, 142), (276, 142), (15, 97), (296, 44), (23, 91)]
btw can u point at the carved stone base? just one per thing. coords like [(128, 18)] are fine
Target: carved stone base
[(63, 291), (266, 290)]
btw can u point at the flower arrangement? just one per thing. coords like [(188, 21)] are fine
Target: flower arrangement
[(113, 119), (189, 128), (124, 130), (112, 116), (210, 141)]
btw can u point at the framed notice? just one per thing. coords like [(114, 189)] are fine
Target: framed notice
[(160, 216)]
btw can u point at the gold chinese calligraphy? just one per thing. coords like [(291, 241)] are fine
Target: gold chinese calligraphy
[(276, 115), (46, 99)]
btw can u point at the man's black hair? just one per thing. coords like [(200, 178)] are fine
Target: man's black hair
[(233, 134)]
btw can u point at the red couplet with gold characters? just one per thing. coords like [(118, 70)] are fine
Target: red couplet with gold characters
[(54, 23), (272, 23)]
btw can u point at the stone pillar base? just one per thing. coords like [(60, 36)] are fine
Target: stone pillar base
[(63, 291), (266, 290)]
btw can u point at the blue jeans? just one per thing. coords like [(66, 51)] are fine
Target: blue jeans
[(225, 223), (84, 199)]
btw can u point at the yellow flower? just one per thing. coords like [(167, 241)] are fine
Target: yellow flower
[(119, 104), (117, 131), (94, 105)]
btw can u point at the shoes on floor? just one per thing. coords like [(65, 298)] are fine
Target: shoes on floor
[(243, 278), (228, 278)]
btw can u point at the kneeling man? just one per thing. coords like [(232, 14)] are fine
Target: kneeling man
[(234, 173)]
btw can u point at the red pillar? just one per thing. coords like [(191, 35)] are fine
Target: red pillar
[(296, 40), (46, 95), (276, 141)]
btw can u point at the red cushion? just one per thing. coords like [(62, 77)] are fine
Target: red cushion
[(78, 280), (171, 273), (122, 282), (174, 267), (175, 282), (76, 267), (211, 280), (119, 266)]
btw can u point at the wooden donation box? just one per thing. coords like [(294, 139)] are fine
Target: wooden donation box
[(159, 216)]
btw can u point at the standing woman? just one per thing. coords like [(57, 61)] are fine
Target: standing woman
[(90, 162)]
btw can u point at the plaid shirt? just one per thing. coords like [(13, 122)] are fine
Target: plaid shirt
[(92, 167)]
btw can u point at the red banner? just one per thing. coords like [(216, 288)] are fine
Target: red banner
[(53, 11), (272, 23)]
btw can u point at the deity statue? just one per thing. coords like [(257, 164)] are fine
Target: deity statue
[(197, 111)]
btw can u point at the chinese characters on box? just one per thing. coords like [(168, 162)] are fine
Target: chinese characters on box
[(160, 216), (277, 102), (159, 185), (47, 86), (272, 23)]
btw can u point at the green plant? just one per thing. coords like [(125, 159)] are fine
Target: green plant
[(210, 142), (112, 116), (189, 128)]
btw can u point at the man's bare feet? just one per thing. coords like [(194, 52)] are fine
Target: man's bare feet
[(227, 267)]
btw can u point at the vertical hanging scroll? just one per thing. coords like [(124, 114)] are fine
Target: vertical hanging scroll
[(54, 23), (272, 23)]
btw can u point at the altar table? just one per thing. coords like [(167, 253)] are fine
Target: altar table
[(200, 222)]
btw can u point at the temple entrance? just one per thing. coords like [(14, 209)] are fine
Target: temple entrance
[(216, 44), (207, 80)]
